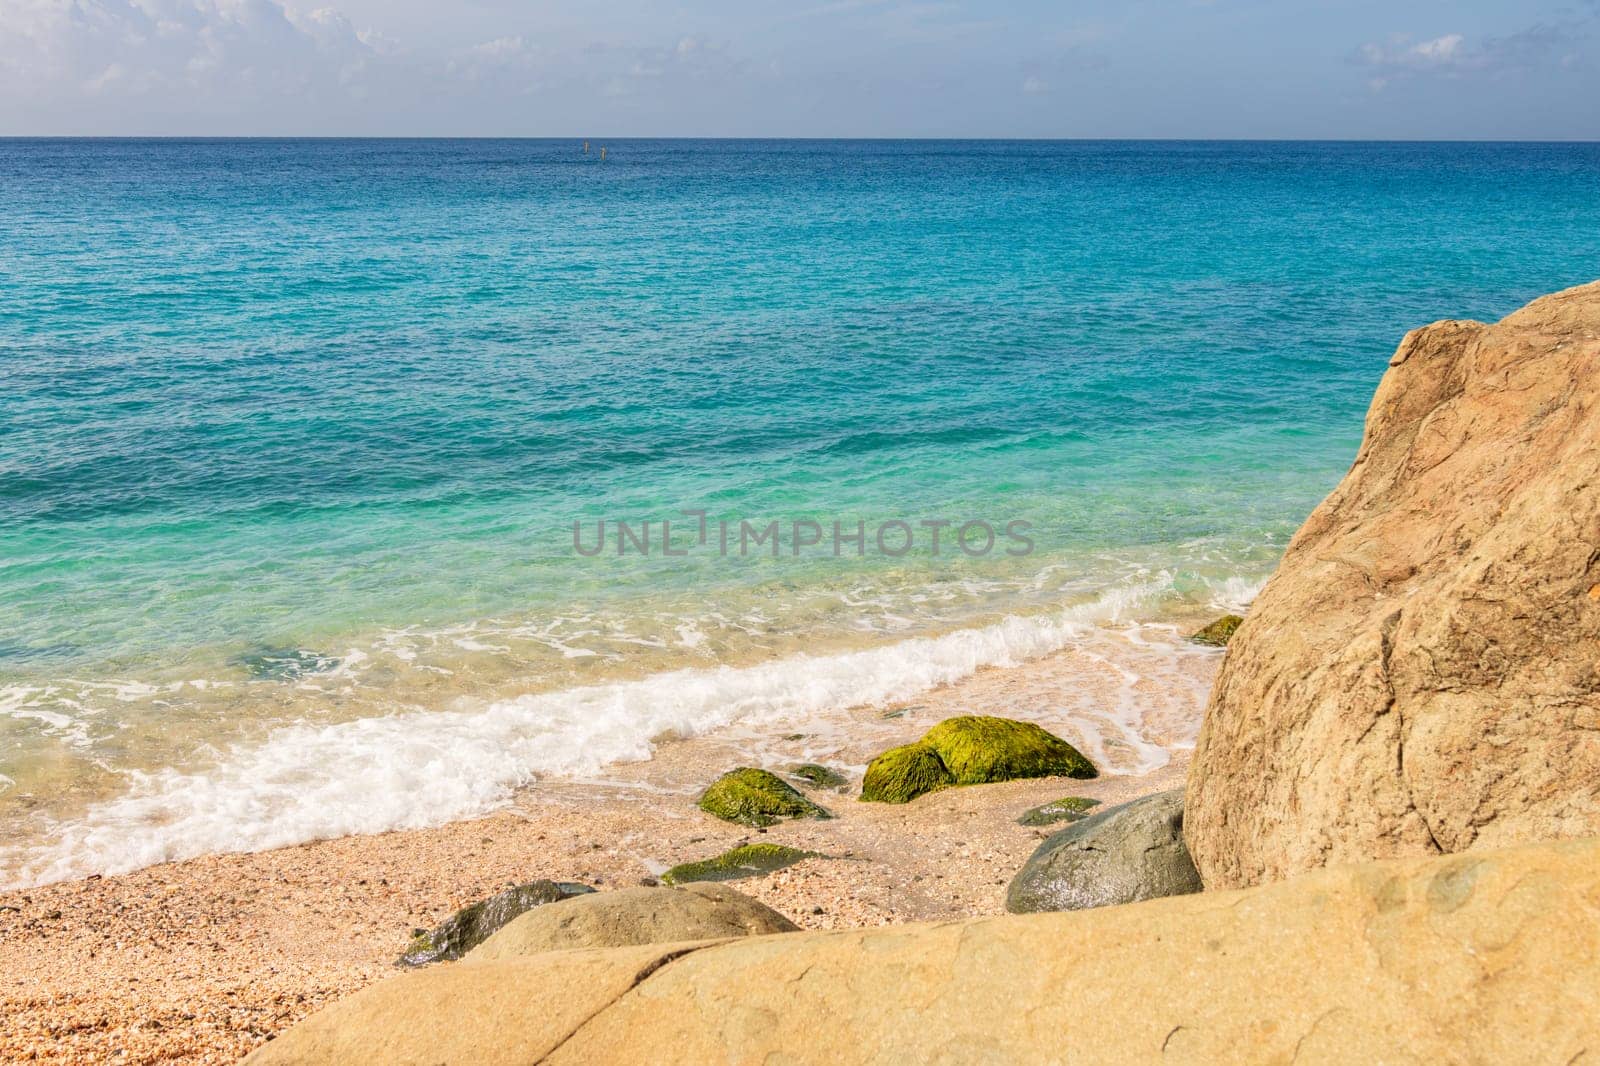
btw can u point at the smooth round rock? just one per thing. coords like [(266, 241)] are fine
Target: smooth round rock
[(700, 911), (1128, 853)]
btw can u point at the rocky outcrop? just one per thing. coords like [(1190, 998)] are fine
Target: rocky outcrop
[(1218, 633), (1065, 809), (1422, 674), (1488, 957), (634, 916), (757, 798), (901, 774), (1122, 855), (818, 776), (970, 750), (472, 925), (746, 860)]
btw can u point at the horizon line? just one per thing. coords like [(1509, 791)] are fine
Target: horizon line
[(856, 138)]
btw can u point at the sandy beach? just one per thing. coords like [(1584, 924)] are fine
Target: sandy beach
[(202, 960)]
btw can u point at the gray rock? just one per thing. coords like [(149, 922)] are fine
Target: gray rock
[(471, 926), (1131, 852)]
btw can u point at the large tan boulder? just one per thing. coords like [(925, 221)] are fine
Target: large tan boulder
[(511, 1012), (1422, 674), (1484, 958), (700, 911)]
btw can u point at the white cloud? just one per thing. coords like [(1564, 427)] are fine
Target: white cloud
[(176, 49), (503, 57), (500, 49), (1452, 55), (693, 62), (139, 66), (1439, 50), (1400, 52)]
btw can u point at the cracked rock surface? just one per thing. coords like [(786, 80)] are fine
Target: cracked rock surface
[(1422, 674), (1487, 957)]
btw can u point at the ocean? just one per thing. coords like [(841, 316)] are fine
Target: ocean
[(352, 485)]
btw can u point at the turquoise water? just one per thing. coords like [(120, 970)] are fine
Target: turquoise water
[(297, 431)]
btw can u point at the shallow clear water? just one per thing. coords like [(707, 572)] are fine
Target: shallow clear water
[(295, 433)]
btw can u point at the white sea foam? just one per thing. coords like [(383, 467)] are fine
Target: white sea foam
[(1114, 733), (44, 704), (416, 769), (1235, 594), (467, 644), (690, 635)]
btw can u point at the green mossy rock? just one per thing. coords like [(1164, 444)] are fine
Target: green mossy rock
[(471, 926), (902, 774), (747, 860), (1067, 809), (756, 798), (979, 749), (971, 750), (818, 776), (1218, 633)]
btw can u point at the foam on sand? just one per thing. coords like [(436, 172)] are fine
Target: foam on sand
[(423, 768)]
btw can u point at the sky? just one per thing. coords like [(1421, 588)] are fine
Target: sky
[(1408, 69)]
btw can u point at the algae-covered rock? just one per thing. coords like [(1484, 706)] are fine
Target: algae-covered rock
[(471, 926), (1218, 633), (701, 911), (1066, 809), (1122, 855), (970, 750), (756, 798), (902, 774), (747, 860), (818, 776), (979, 749)]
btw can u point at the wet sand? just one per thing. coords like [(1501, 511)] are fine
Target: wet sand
[(202, 960)]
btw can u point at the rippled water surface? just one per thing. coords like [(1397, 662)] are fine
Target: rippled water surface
[(293, 434)]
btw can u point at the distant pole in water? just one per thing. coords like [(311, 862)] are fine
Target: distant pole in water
[(585, 147), (602, 153)]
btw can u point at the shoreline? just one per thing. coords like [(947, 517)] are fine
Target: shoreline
[(201, 960), (409, 768)]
